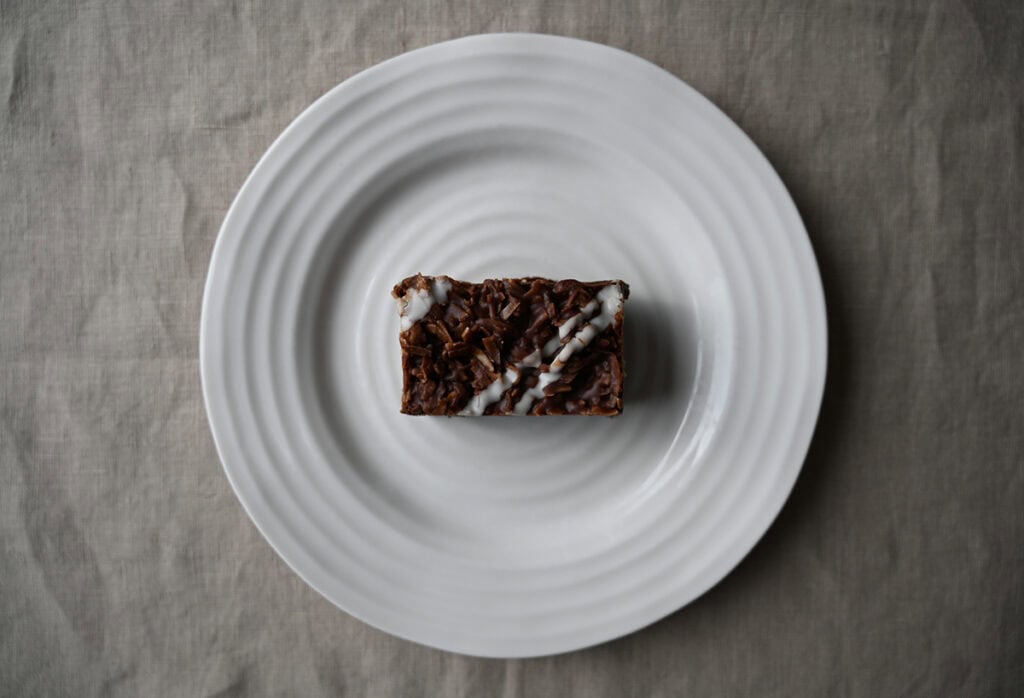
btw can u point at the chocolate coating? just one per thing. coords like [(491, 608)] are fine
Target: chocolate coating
[(495, 333)]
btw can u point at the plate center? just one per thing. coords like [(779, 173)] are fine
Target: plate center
[(509, 204)]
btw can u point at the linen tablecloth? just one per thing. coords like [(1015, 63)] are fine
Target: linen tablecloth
[(127, 567)]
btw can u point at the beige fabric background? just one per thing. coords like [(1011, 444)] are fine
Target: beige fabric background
[(128, 568)]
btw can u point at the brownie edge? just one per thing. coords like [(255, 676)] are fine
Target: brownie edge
[(526, 346)]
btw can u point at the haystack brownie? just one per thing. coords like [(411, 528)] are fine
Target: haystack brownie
[(529, 346)]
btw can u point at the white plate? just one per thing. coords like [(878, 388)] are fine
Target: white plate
[(506, 155)]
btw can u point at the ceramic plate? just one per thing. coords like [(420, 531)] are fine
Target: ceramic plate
[(508, 155)]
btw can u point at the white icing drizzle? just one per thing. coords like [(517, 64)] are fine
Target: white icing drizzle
[(492, 393), (584, 314), (532, 361), (552, 346), (611, 303), (555, 342), (610, 298), (417, 302)]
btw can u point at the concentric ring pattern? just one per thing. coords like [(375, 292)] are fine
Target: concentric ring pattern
[(504, 155)]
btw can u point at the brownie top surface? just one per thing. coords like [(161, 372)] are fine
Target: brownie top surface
[(511, 346)]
